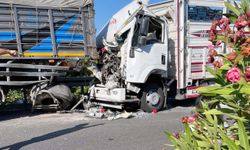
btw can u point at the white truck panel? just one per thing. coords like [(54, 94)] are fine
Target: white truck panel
[(210, 3), (194, 40), (138, 69)]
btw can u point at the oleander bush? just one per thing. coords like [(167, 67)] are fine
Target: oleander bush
[(223, 122)]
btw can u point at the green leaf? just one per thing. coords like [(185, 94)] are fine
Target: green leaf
[(226, 67), (200, 137), (232, 104), (213, 112), (232, 8), (236, 5), (207, 89), (211, 71), (172, 138), (209, 118), (177, 143), (188, 133), (215, 126), (243, 136), (231, 145), (217, 112), (221, 37), (227, 110), (236, 117), (224, 91), (227, 97), (203, 144), (245, 89), (244, 5)]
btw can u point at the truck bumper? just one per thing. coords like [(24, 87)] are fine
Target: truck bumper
[(117, 95)]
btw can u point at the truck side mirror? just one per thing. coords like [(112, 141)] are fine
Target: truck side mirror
[(142, 41), (144, 26)]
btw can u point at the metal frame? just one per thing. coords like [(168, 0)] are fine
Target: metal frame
[(29, 66), (52, 32), (88, 29), (17, 30), (44, 73)]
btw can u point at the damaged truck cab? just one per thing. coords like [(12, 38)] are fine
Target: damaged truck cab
[(134, 57), (149, 53)]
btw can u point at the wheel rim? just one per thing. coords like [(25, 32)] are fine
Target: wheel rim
[(153, 98)]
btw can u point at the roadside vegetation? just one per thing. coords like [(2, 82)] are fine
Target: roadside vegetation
[(223, 121)]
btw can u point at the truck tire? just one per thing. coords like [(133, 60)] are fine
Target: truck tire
[(63, 94), (44, 99), (152, 98)]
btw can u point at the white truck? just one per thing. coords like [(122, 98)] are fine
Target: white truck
[(152, 52)]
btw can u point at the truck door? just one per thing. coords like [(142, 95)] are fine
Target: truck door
[(148, 52)]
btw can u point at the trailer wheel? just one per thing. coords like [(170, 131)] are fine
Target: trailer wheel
[(152, 98)]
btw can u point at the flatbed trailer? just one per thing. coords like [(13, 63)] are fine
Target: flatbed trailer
[(51, 38)]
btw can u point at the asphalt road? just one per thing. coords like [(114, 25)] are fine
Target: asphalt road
[(75, 131)]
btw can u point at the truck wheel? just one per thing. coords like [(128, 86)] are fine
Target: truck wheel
[(152, 98)]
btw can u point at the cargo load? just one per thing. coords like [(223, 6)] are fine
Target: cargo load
[(47, 28)]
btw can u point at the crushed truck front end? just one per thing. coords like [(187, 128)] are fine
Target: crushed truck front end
[(133, 51)]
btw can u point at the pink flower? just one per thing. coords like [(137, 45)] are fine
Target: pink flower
[(184, 119), (248, 13), (239, 33), (210, 46), (224, 24), (232, 56), (247, 75), (214, 25), (233, 75), (248, 23), (212, 52), (218, 63), (212, 36), (241, 22), (191, 119), (222, 20), (218, 42), (210, 59)]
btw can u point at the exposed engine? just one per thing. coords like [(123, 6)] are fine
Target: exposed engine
[(108, 71), (111, 75)]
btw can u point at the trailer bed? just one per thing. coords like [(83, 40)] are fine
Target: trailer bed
[(47, 31)]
